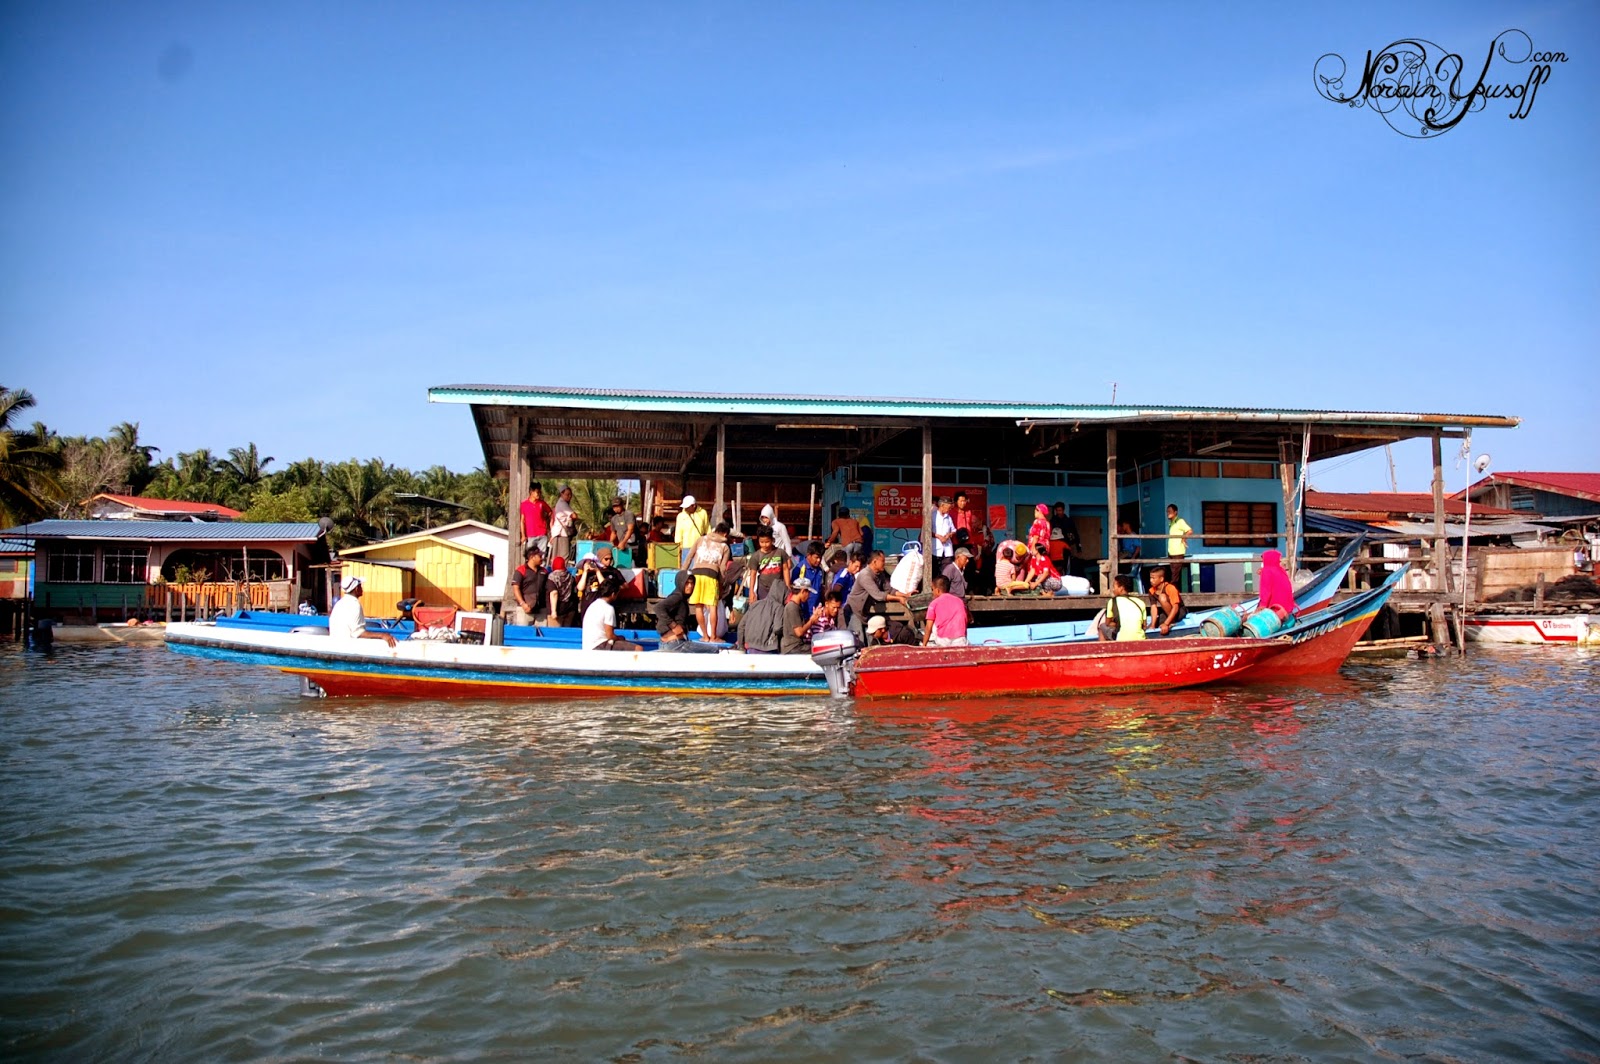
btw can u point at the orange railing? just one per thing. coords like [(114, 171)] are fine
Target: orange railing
[(210, 596)]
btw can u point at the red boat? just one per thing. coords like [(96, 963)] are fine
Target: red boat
[(1060, 668), (1312, 646)]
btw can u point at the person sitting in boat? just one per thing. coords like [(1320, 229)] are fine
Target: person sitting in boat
[(347, 620), (797, 617), (1124, 617), (564, 587), (946, 618), (707, 562), (761, 628), (883, 632), (1277, 590), (870, 595), (826, 617), (600, 621), (672, 615), (1166, 601)]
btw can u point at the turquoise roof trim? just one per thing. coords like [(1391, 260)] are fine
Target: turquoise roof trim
[(860, 406)]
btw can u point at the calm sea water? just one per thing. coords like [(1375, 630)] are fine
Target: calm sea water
[(1399, 862)]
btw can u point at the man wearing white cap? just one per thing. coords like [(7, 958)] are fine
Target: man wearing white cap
[(693, 522), (347, 620)]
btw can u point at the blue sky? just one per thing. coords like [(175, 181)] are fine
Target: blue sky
[(283, 222)]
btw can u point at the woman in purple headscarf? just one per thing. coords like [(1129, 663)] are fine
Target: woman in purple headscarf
[(1276, 587)]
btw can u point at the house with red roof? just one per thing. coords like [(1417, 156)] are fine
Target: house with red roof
[(109, 507), (1552, 495)]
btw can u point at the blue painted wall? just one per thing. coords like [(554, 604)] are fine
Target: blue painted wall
[(1084, 493)]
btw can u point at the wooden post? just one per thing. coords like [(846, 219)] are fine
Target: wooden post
[(738, 504), (1441, 566), (722, 459), (811, 512), (516, 489), (1286, 482), (1108, 567), (1538, 590), (927, 508), (647, 503)]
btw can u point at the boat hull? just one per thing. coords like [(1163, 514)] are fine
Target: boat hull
[(1322, 646), (1054, 669), (1311, 598), (418, 669), (1552, 630)]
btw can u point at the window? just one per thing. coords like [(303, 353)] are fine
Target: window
[(1522, 499), (1259, 520), (126, 565), (9, 565), (1249, 470), (1205, 470), (70, 563)]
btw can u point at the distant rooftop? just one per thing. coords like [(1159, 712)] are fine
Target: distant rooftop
[(1388, 503), (168, 531), (1578, 485), (169, 507)]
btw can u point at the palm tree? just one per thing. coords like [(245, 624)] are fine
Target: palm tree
[(246, 466), (141, 457), (29, 461), (363, 496)]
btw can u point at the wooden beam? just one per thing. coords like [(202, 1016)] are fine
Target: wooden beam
[(1108, 567), (1286, 483), (722, 461), (927, 507), (1441, 566), (517, 465)]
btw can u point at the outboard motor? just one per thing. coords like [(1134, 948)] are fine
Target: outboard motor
[(835, 651)]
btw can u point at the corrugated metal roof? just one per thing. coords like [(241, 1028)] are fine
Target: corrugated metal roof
[(755, 403), (169, 531), (168, 506), (1584, 486), (15, 546)]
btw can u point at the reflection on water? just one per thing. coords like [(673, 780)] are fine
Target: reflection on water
[(1395, 861)]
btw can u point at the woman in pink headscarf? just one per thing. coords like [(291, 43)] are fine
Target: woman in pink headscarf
[(1276, 587), (1039, 531)]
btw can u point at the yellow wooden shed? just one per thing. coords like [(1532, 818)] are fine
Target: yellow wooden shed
[(422, 566)]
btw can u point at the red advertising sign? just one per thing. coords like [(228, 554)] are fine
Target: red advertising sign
[(900, 505)]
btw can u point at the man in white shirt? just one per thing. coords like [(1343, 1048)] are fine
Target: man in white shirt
[(347, 620), (944, 536), (600, 622)]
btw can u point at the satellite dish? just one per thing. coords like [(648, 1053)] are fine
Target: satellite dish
[(1482, 463)]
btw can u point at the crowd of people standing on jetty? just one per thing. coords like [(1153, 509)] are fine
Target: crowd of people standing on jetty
[(773, 596)]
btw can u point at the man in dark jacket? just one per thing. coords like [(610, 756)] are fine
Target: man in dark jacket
[(672, 615)]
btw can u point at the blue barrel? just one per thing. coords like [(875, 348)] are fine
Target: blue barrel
[(1263, 624), (1222, 623)]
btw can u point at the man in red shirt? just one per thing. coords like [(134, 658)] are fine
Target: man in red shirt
[(946, 620), (536, 514)]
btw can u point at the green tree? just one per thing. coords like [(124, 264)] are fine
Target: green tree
[(293, 504), (591, 502), (363, 497), (141, 457), (29, 462)]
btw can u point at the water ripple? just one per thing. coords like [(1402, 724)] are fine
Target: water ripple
[(1399, 861)]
